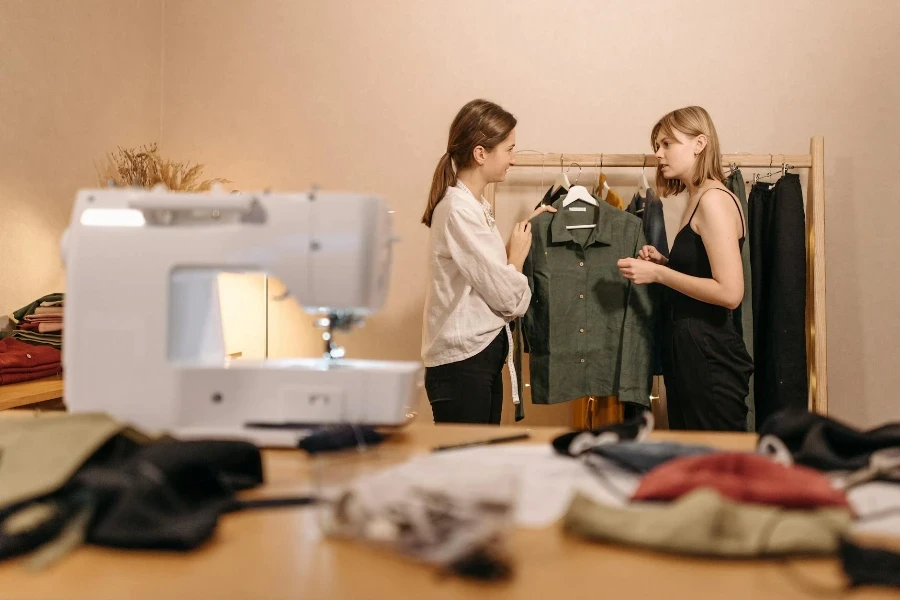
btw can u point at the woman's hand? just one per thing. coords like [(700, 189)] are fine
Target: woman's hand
[(519, 245), (653, 255), (542, 209), (640, 271)]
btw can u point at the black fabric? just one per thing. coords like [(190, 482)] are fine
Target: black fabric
[(551, 196), (778, 267), (164, 495), (650, 210), (705, 363), (340, 437), (625, 431), (470, 390), (707, 372), (826, 444), (869, 566), (642, 457), (169, 494)]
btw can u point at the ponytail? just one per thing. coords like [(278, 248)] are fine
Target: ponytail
[(444, 177), (478, 123)]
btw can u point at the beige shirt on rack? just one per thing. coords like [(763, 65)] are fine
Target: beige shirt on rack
[(472, 291)]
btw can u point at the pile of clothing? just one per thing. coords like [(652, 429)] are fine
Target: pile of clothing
[(30, 341), (792, 497), (68, 480), (39, 323), (23, 362)]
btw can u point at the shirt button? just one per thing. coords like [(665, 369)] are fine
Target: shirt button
[(582, 360), (581, 264), (581, 296), (581, 331), (28, 355)]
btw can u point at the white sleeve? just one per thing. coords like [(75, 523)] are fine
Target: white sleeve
[(469, 242)]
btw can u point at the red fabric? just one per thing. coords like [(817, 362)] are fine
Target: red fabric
[(6, 378), (17, 354), (38, 368), (750, 478)]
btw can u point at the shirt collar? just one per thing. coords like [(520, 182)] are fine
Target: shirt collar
[(600, 234)]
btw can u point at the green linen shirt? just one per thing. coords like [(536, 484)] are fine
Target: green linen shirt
[(588, 329)]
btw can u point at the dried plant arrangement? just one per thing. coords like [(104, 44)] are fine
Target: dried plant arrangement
[(144, 167)]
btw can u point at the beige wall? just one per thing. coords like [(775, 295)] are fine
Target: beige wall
[(359, 95), (76, 80)]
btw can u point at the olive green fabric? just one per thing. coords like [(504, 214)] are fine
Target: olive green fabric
[(38, 455), (707, 524), (588, 329)]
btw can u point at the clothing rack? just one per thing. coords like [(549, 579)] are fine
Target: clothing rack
[(815, 233)]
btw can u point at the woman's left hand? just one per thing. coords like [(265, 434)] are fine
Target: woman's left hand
[(640, 271)]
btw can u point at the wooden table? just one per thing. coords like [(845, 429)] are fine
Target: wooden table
[(15, 395), (279, 554)]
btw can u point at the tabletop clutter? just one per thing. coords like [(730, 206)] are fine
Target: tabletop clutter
[(809, 487)]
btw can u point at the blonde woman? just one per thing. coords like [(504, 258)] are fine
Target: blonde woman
[(706, 366)]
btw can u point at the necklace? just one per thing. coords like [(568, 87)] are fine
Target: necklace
[(488, 213)]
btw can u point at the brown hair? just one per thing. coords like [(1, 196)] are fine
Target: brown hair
[(691, 121), (478, 123)]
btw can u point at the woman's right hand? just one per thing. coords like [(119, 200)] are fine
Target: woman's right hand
[(653, 255), (519, 245)]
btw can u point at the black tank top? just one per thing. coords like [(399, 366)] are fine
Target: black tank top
[(688, 256)]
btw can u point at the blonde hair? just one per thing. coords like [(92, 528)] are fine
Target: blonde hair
[(691, 121), (478, 123)]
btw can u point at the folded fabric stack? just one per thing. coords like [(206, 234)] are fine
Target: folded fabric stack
[(20, 361), (39, 323)]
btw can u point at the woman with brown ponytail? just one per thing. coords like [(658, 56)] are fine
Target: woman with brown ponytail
[(476, 286)]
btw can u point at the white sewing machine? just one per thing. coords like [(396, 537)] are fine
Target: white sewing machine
[(143, 337)]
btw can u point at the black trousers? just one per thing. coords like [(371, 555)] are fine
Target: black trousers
[(471, 390), (707, 372), (778, 268)]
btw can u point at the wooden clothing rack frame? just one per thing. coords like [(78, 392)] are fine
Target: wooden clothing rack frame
[(815, 234)]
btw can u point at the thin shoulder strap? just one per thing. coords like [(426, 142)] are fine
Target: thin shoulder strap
[(736, 203)]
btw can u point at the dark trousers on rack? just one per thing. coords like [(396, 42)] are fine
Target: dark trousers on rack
[(778, 268), (470, 390)]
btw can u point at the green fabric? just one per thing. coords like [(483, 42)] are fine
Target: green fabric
[(27, 310), (707, 524), (40, 454), (743, 316), (33, 337), (588, 330)]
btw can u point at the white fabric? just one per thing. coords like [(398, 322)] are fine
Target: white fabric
[(472, 292)]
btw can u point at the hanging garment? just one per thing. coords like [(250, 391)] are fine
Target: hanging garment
[(743, 314), (743, 477), (588, 329), (705, 523), (705, 365), (778, 269), (650, 210), (551, 196), (826, 444), (612, 197)]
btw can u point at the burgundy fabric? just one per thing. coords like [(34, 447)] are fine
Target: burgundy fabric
[(16, 353), (750, 478)]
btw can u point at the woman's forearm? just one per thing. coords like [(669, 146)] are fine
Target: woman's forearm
[(701, 288)]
